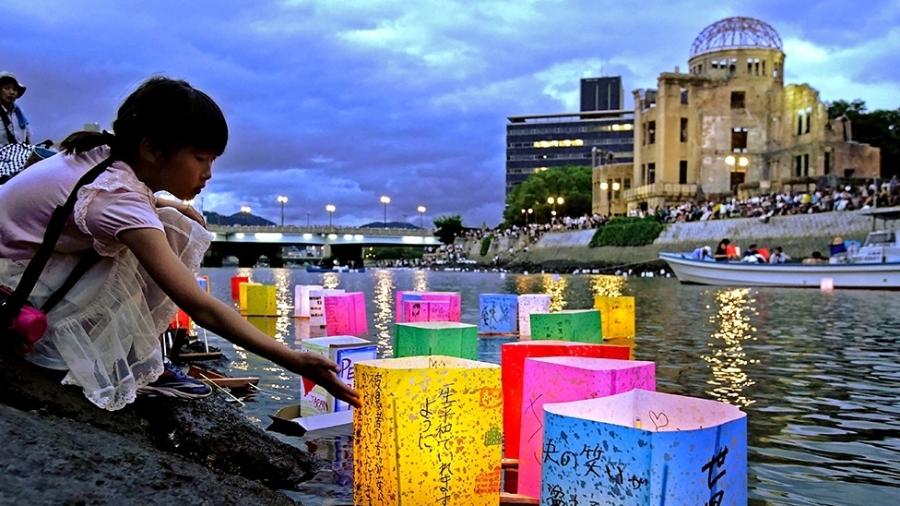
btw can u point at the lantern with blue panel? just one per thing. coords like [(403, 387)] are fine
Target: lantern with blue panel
[(644, 448), (498, 313)]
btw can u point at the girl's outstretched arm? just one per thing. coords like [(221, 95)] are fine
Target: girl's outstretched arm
[(156, 256)]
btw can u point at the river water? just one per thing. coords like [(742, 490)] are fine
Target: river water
[(817, 373)]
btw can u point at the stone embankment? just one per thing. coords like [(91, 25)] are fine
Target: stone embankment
[(60, 449), (799, 235)]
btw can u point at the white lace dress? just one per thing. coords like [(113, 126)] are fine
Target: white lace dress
[(105, 332)]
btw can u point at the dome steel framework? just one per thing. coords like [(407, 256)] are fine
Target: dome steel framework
[(736, 32)]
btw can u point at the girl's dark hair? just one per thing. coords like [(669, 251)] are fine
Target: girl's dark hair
[(170, 114)]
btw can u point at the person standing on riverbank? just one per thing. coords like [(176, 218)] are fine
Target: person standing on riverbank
[(15, 124)]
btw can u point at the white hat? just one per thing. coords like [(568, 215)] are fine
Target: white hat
[(9, 76)]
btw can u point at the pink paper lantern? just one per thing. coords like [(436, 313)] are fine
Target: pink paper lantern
[(564, 379), (453, 298), (345, 314), (426, 311)]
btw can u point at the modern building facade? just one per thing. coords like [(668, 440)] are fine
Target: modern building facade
[(730, 126), (540, 142)]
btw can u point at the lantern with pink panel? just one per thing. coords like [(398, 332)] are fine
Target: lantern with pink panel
[(644, 448), (426, 311), (452, 298), (531, 303), (317, 305), (345, 314), (563, 379), (512, 365)]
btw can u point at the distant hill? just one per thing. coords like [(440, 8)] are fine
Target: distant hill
[(390, 224), (214, 218)]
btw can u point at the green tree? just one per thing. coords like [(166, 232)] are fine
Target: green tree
[(571, 182), (880, 128), (448, 228)]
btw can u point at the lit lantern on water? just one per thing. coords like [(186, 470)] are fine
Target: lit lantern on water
[(528, 304), (452, 339), (345, 314), (563, 379), (429, 432), (452, 298), (258, 299), (426, 310), (580, 325), (317, 306), (203, 283), (345, 351), (826, 284), (499, 313), (512, 364), (616, 315), (236, 286), (301, 299), (644, 447)]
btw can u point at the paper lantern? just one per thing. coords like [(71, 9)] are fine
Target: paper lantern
[(317, 305), (426, 310), (616, 315), (181, 320), (265, 324), (236, 284), (580, 325), (258, 299), (645, 447), (345, 351), (452, 339), (563, 379), (429, 432), (826, 284), (453, 298), (528, 304), (399, 298), (303, 330), (345, 314), (203, 283), (242, 295), (512, 364), (301, 299), (499, 313)]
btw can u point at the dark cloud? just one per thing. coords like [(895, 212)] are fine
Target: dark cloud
[(345, 101)]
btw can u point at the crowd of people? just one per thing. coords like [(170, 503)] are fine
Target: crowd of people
[(726, 251)]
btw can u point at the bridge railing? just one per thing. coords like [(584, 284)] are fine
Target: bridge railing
[(321, 229)]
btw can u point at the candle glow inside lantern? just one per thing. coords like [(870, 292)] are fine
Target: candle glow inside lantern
[(345, 351), (644, 448), (426, 310), (617, 315), (498, 313), (452, 339), (512, 364), (345, 314), (528, 304), (429, 432), (236, 286), (580, 325), (563, 379), (301, 299), (317, 305)]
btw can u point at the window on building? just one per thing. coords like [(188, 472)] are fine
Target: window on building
[(684, 130), (626, 184), (644, 134), (739, 140), (684, 96), (808, 115), (763, 71), (775, 72), (682, 172), (700, 68), (806, 165), (827, 165), (801, 165), (732, 66), (651, 132), (714, 64), (737, 99), (651, 173)]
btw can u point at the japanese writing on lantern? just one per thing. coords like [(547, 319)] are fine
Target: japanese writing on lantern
[(589, 462), (436, 435), (715, 469), (560, 497)]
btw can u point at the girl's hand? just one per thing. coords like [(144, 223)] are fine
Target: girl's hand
[(183, 208), (323, 372)]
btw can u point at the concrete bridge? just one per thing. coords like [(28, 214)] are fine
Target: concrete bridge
[(248, 243)]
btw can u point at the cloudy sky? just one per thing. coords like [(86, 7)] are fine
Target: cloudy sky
[(342, 101)]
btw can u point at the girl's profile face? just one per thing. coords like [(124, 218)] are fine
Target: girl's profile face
[(187, 171)]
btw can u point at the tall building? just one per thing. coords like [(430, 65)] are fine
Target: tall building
[(730, 126), (602, 93)]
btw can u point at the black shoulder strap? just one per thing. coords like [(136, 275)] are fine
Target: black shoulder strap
[(7, 125), (51, 236)]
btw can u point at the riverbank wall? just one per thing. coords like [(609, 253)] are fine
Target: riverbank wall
[(799, 235)]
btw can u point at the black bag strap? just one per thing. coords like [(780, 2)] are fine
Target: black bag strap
[(51, 236), (83, 265), (7, 125)]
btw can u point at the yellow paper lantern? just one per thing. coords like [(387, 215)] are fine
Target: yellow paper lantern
[(616, 315), (258, 299), (429, 432)]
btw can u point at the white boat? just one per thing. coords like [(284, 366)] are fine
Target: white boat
[(874, 265)]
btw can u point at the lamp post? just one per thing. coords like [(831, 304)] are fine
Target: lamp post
[(553, 201), (282, 199), (330, 209), (385, 200), (421, 210)]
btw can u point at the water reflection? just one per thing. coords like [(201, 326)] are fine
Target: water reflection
[(727, 358), (607, 286), (382, 298), (330, 280), (420, 281), (283, 303), (555, 287)]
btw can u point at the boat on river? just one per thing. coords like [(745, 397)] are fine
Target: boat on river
[(336, 268), (876, 264)]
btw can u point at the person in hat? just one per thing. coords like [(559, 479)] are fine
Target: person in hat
[(15, 125)]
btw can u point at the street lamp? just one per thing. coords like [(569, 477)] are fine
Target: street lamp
[(282, 200), (421, 210), (385, 200), (554, 201), (330, 209), (245, 209)]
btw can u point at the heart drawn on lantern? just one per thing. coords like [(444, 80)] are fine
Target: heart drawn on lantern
[(659, 420)]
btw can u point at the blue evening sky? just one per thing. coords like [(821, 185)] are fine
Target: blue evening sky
[(343, 101)]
